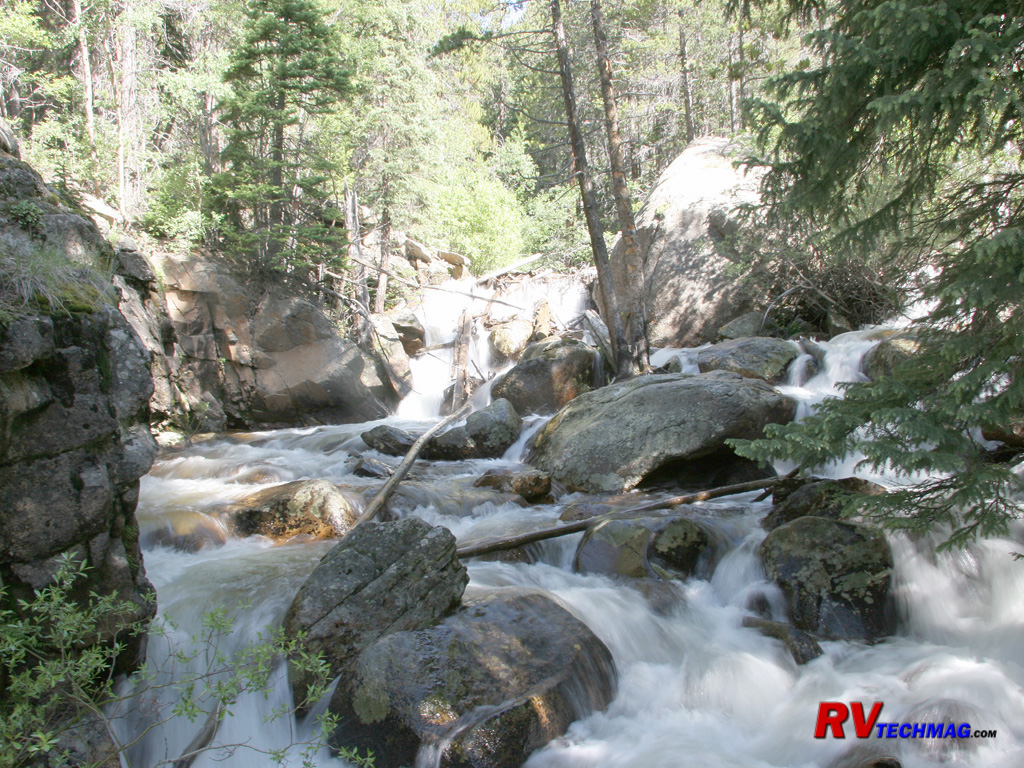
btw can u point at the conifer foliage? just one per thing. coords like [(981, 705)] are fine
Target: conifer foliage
[(906, 141), (286, 69)]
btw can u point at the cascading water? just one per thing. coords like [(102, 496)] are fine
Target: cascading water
[(696, 688)]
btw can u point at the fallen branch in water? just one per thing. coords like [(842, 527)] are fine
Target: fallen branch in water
[(511, 542), (376, 506)]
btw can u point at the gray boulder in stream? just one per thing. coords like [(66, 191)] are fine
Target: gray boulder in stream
[(755, 357), (495, 428), (836, 577), (483, 689), (612, 438), (381, 578)]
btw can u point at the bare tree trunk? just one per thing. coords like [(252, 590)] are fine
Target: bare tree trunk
[(355, 250), (741, 58), (85, 57), (623, 366), (110, 48), (684, 66), (385, 247), (633, 284)]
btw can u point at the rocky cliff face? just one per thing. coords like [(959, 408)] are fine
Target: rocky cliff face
[(74, 441), (74, 417), (226, 355)]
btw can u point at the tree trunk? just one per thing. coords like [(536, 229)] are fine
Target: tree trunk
[(684, 66), (623, 366), (85, 57), (741, 75), (385, 247), (355, 250), (633, 278), (111, 50), (275, 223)]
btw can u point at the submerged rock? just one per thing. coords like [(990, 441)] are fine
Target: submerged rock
[(486, 687), (531, 484), (381, 578), (882, 359), (822, 498), (303, 508), (611, 439), (803, 647), (665, 547), (549, 374), (836, 577), (753, 357)]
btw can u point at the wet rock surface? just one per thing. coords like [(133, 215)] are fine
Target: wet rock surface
[(611, 439), (488, 686), (381, 578), (754, 357), (314, 508), (639, 547), (494, 429), (550, 374), (532, 484), (802, 646), (822, 498), (836, 577)]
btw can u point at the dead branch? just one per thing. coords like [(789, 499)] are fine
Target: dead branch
[(376, 506), (511, 542)]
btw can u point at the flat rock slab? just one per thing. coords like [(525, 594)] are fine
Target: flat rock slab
[(612, 438)]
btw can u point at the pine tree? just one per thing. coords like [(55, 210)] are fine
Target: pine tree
[(285, 71), (908, 139)]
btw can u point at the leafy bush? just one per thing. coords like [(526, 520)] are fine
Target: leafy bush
[(54, 675)]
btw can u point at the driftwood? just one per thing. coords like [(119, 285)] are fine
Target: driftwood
[(460, 362), (411, 284), (203, 739), (376, 505), (511, 542)]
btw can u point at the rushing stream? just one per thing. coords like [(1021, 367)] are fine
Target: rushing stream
[(695, 687)]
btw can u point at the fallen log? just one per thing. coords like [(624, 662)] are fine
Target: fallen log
[(376, 505), (511, 542)]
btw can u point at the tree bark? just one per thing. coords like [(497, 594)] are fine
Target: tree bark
[(355, 251), (623, 364), (385, 247), (687, 92), (85, 57), (634, 316)]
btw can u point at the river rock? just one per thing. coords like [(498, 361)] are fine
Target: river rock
[(381, 578), (1011, 433), (822, 498), (487, 687), (645, 547), (747, 324), (836, 577), (866, 756), (508, 340), (755, 357), (453, 445), (410, 331), (313, 508), (946, 711), (882, 359), (389, 440), (495, 428), (532, 484), (186, 530), (612, 438), (549, 374), (802, 646), (367, 466)]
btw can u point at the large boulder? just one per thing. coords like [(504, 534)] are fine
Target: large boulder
[(683, 233), (549, 374), (753, 357), (314, 508), (495, 428), (487, 687), (394, 361), (612, 438), (836, 577), (381, 578), (642, 547), (508, 340)]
